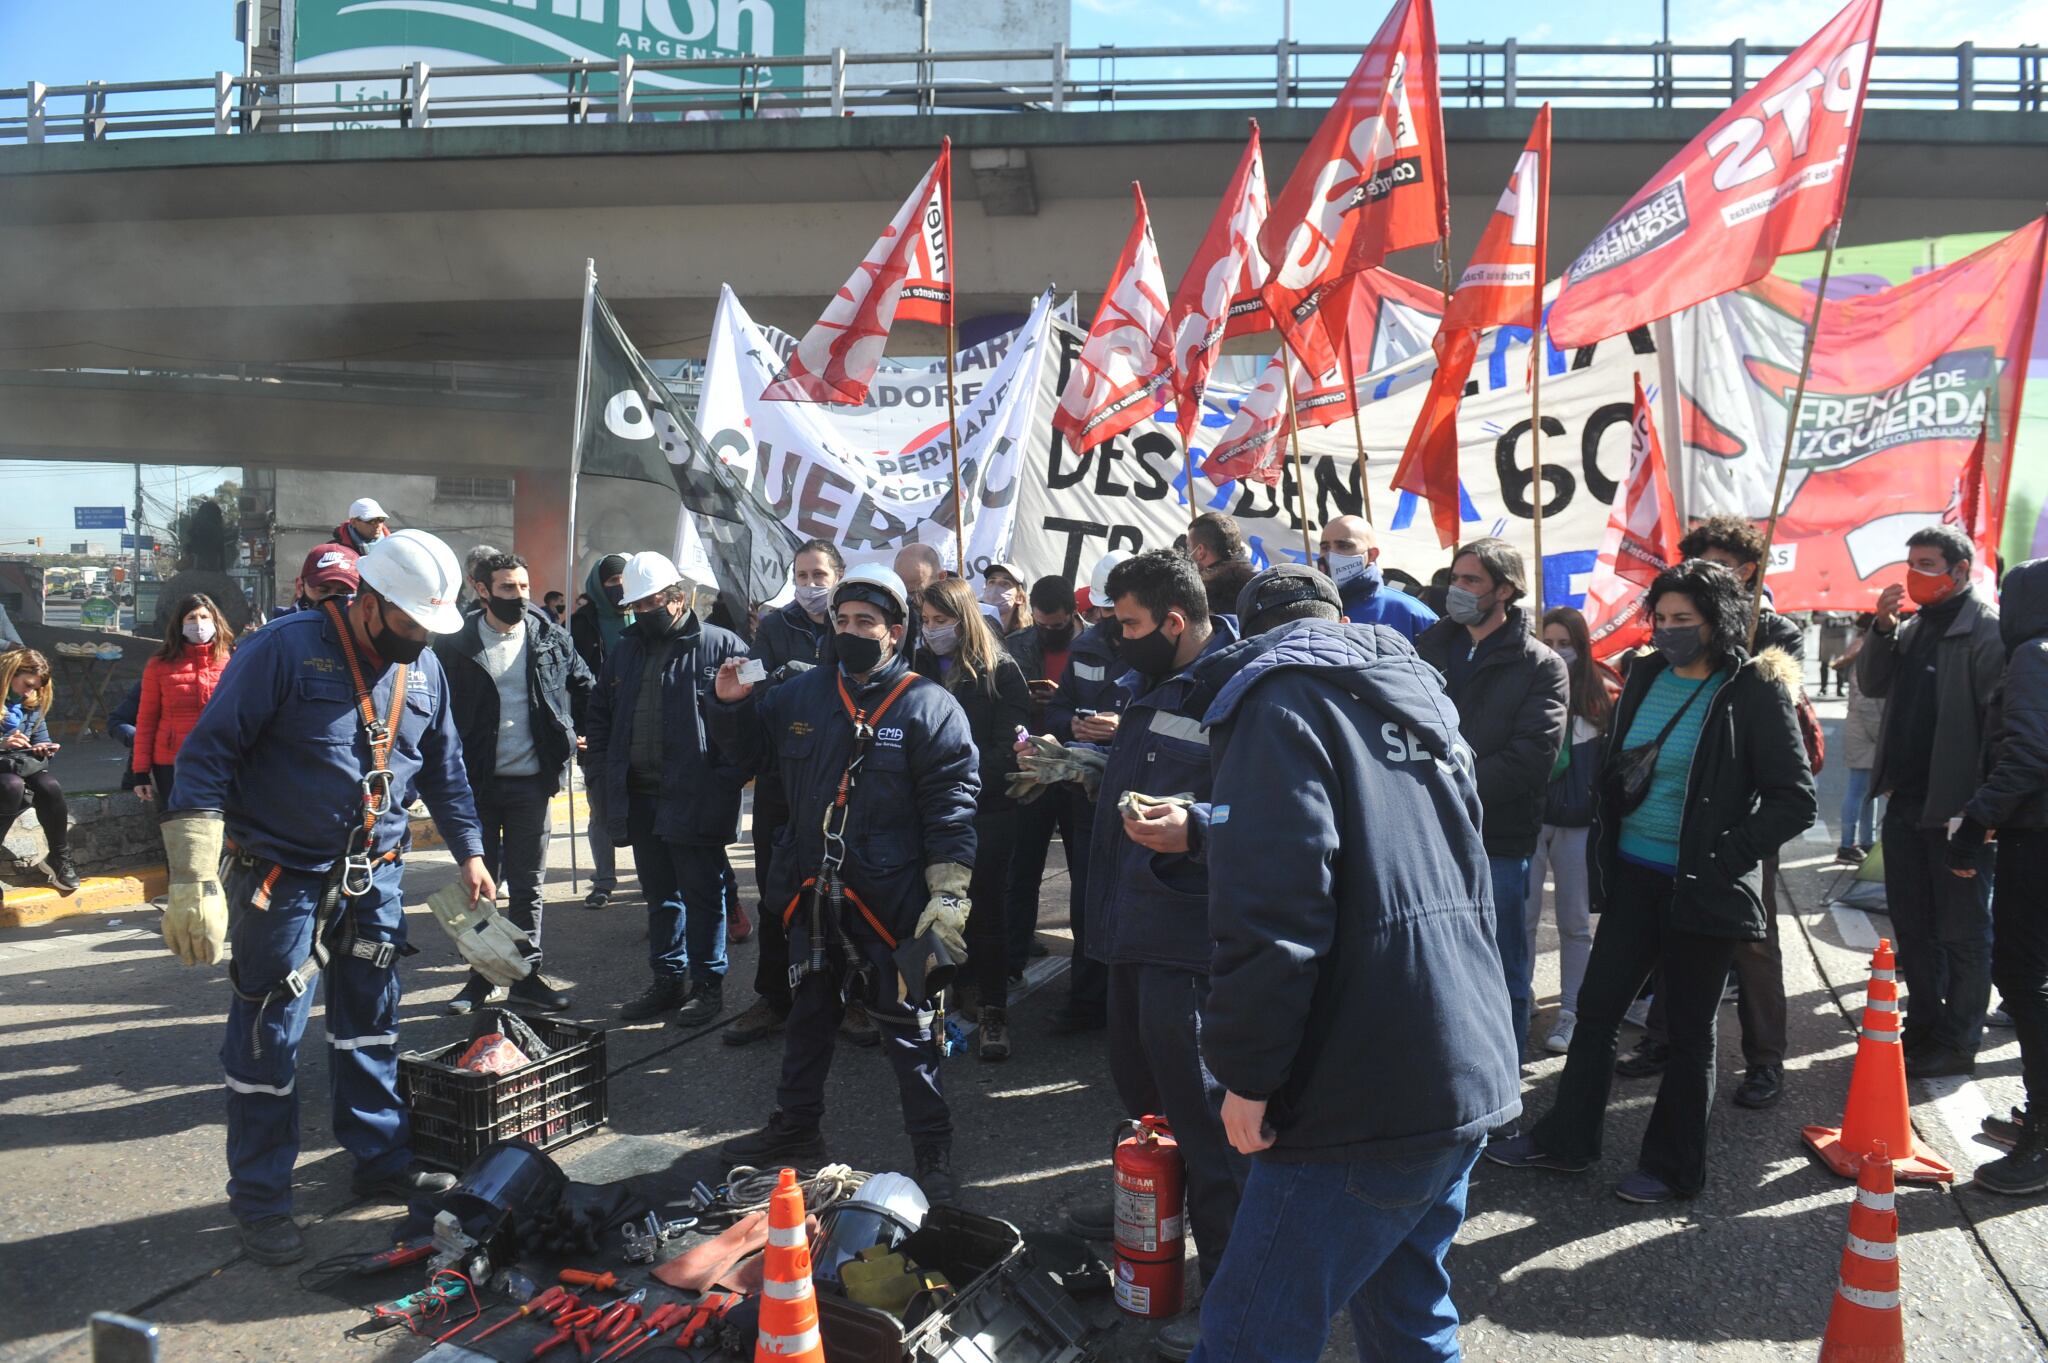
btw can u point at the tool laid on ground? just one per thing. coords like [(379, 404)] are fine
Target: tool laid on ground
[(708, 1313), (614, 1323), (574, 1325), (544, 1303), (579, 1277), (430, 1303), (663, 1316), (645, 1239), (409, 1252)]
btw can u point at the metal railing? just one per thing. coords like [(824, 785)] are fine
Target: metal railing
[(1057, 79)]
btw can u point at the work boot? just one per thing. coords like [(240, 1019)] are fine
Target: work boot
[(705, 1001), (667, 991), (2022, 1172), (992, 1039), (415, 1180), (858, 1028), (785, 1140), (272, 1240), (1937, 1061), (1648, 1058), (2007, 1132), (935, 1172), (758, 1023), (1761, 1087), (1177, 1338), (63, 873), (537, 992), (1093, 1220), (476, 991)]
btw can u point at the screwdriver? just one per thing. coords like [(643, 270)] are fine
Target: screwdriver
[(579, 1277)]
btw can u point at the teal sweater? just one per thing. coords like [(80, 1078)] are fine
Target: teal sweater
[(1649, 834)]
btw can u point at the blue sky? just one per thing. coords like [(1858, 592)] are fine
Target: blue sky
[(144, 39)]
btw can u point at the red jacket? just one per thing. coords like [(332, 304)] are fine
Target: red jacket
[(173, 694)]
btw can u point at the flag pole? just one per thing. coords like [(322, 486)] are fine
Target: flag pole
[(1294, 437), (1537, 361), (1357, 422), (953, 444), (575, 468), (1820, 297), (1187, 455)]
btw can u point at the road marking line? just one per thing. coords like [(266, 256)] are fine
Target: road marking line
[(1854, 926)]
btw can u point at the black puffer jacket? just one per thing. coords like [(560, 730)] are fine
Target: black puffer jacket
[(1512, 714), (1747, 794), (2015, 789), (995, 706)]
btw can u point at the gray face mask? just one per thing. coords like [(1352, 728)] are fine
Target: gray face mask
[(1681, 645), (942, 639), (813, 600), (1464, 606)]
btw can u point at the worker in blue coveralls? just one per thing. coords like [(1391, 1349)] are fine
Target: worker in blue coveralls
[(324, 727)]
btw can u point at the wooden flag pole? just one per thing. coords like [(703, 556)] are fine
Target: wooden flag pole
[(1308, 548), (1820, 297), (1357, 422), (575, 468), (1187, 455), (953, 444), (1537, 360)]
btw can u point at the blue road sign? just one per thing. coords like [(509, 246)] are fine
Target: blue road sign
[(99, 517)]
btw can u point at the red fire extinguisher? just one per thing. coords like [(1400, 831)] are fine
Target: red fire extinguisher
[(1150, 1227)]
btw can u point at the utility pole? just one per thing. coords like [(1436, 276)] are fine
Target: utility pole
[(135, 623)]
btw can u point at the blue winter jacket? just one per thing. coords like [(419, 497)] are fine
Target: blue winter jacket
[(280, 750), (1089, 681), (699, 801), (1355, 983), (1144, 907), (1368, 600), (913, 800)]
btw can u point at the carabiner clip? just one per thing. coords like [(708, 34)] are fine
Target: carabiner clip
[(356, 872), (377, 789)]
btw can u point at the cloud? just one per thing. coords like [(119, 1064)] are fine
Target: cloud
[(1225, 9)]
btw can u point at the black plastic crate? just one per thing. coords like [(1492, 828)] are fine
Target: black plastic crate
[(457, 1114)]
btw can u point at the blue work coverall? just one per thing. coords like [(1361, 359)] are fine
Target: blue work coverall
[(281, 753)]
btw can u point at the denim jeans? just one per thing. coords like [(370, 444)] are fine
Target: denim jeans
[(685, 900), (1510, 895), (1311, 1239), (1859, 811)]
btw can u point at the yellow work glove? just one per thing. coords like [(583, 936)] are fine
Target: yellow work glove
[(196, 923), (945, 913)]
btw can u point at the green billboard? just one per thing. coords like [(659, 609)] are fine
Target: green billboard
[(353, 36)]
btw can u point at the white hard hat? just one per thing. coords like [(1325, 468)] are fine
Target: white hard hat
[(870, 579), (882, 1211), (1098, 577), (417, 573), (647, 572), (366, 509)]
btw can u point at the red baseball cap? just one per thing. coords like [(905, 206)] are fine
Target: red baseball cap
[(1084, 600), (329, 564)]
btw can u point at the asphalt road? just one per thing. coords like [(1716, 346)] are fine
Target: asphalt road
[(110, 1155)]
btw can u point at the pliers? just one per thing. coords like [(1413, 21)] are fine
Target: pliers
[(708, 1311), (571, 1325), (663, 1316)]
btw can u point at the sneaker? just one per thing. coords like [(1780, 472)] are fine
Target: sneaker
[(1638, 1014), (1522, 1152), (597, 899), (705, 1002), (783, 1141), (272, 1240), (992, 1038), (1762, 1086), (415, 1180), (858, 1028), (1093, 1220), (1998, 1017), (1645, 1188), (935, 1172), (738, 927), (1560, 1039), (1648, 1058), (2007, 1131), (63, 873), (476, 991), (1178, 1337), (1937, 1062), (758, 1023), (2022, 1172), (667, 991), (1070, 1021), (1849, 855), (539, 993)]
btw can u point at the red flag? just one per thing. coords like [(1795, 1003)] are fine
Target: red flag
[(908, 272), (1641, 541), (1217, 274), (1370, 183), (1128, 352), (1767, 178), (1255, 444), (1504, 283)]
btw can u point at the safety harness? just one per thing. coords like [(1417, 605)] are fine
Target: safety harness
[(826, 892), (350, 876)]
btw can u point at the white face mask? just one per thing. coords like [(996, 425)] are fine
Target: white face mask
[(1346, 569), (995, 594), (198, 630), (942, 639)]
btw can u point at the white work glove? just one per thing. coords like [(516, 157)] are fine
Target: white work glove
[(495, 948), (1043, 762), (196, 922), (945, 913)]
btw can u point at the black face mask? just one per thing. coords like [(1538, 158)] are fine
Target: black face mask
[(858, 654), (394, 647), (1056, 637), (506, 610), (1150, 654), (615, 592)]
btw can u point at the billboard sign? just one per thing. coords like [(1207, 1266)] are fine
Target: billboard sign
[(352, 36)]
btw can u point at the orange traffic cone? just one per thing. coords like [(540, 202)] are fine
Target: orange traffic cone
[(1878, 1109), (789, 1306), (1865, 1325)]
